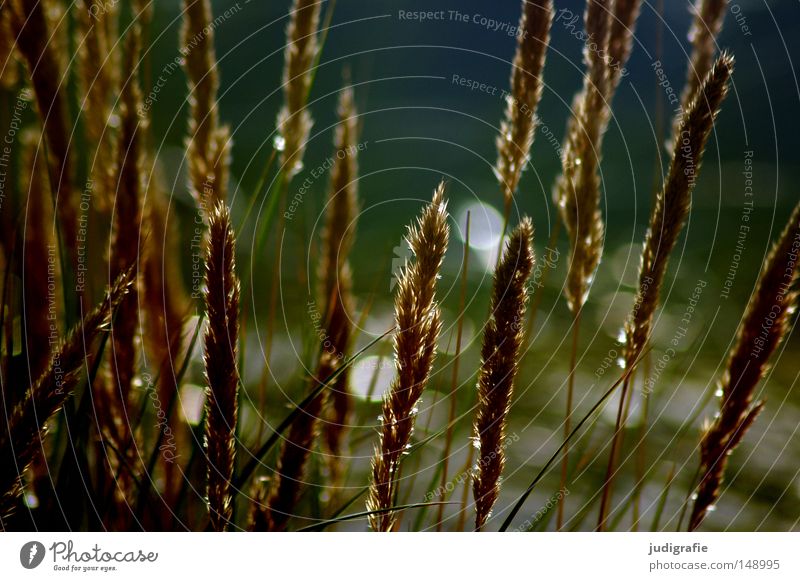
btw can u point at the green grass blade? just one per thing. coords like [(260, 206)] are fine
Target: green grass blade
[(151, 463), (251, 466), (321, 526), (421, 514), (662, 501)]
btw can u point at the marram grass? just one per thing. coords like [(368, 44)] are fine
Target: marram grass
[(157, 409)]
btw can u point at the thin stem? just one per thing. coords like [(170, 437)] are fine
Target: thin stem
[(462, 513), (641, 456), (506, 220), (413, 479), (256, 459), (454, 377), (568, 416), (618, 425), (524, 496), (662, 501), (273, 299), (687, 500)]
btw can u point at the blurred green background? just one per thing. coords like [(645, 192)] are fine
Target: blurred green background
[(418, 127)]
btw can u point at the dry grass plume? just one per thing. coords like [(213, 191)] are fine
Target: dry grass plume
[(98, 76), (519, 123), (672, 203), (502, 339), (34, 35), (40, 255), (620, 38), (166, 308), (335, 284), (116, 404), (418, 324), (22, 438), (207, 144), (9, 68), (709, 16), (667, 218), (220, 356), (764, 325), (335, 301), (294, 120), (578, 187), (706, 26)]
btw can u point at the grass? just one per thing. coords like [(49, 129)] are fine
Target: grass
[(130, 421)]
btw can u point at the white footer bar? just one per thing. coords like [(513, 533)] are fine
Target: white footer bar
[(400, 556)]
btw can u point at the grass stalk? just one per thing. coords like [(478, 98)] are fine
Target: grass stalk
[(502, 340), (576, 321), (448, 441), (667, 218), (418, 324), (221, 341)]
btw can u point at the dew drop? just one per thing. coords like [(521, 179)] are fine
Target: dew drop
[(279, 143)]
